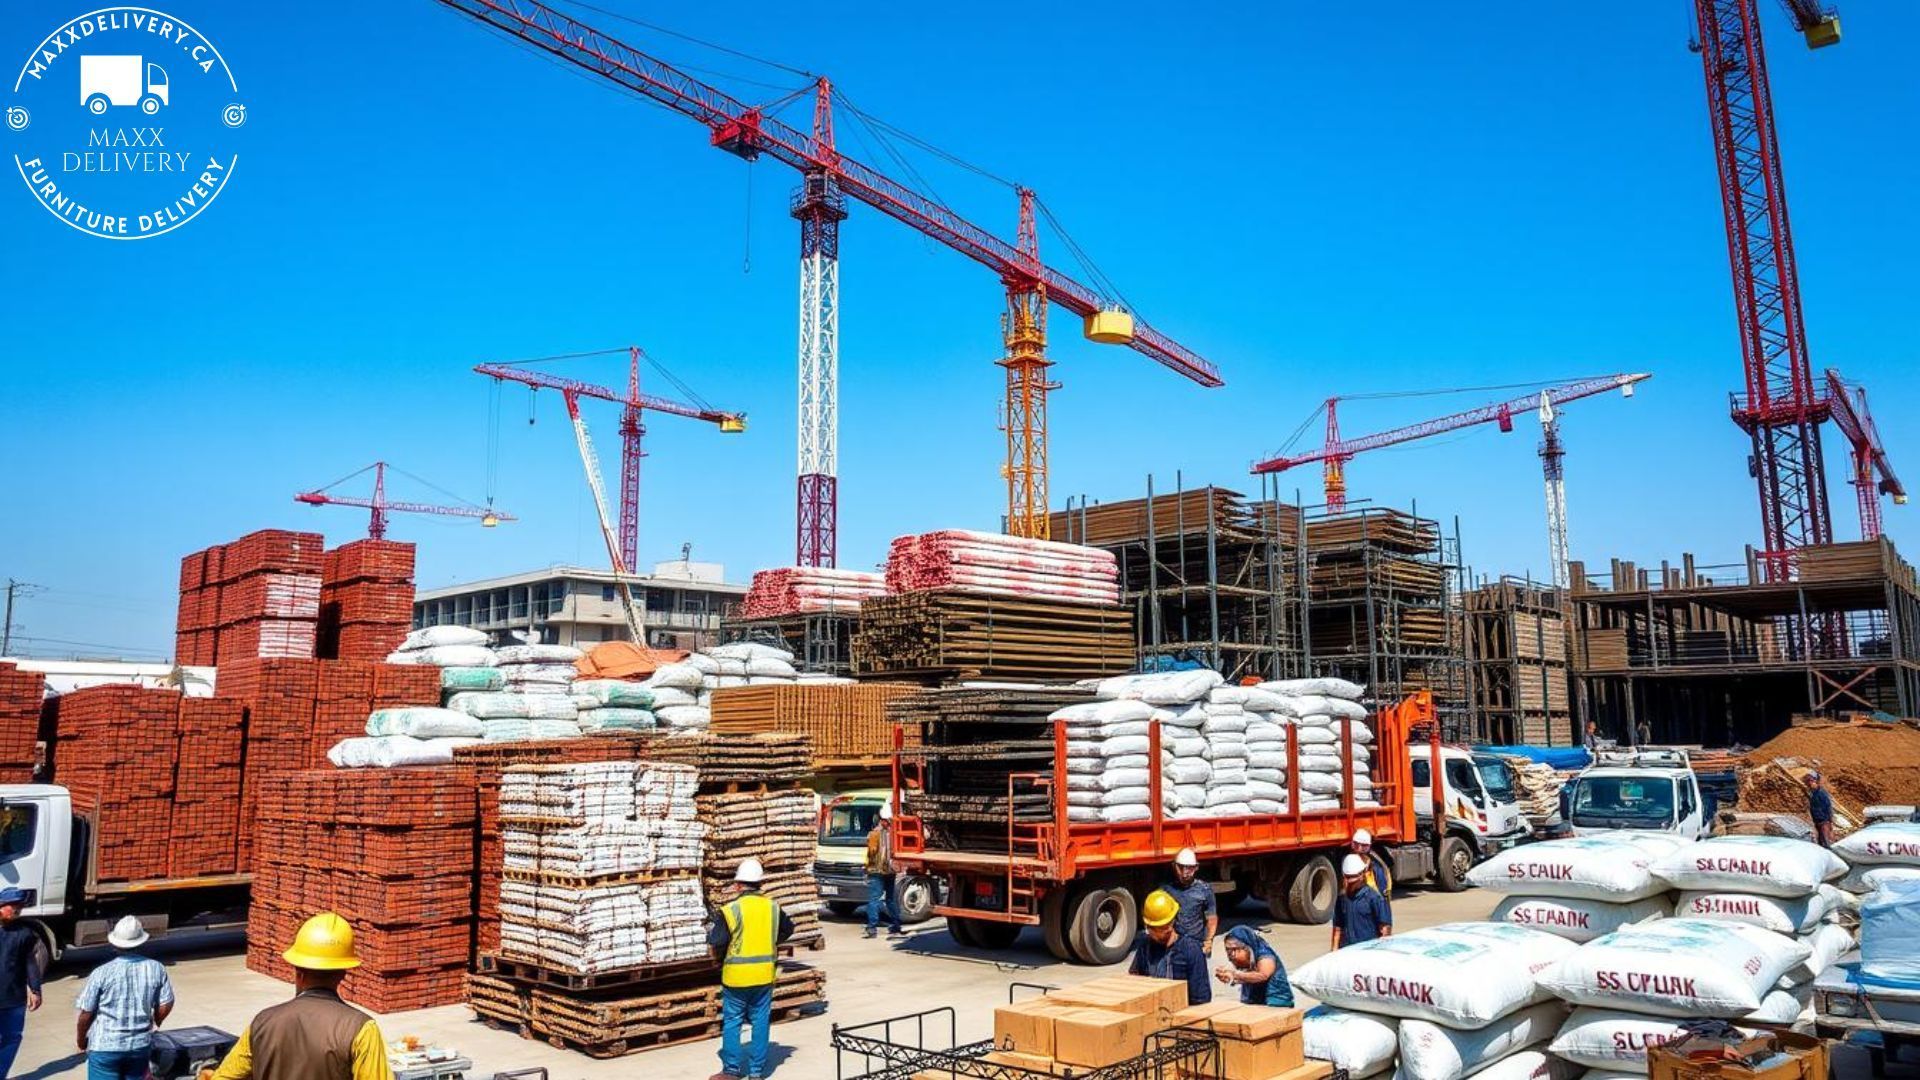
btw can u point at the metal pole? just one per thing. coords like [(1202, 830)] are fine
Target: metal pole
[(1213, 591), (1153, 570)]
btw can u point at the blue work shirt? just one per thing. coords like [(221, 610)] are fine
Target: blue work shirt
[(1360, 916), (1277, 991), (1820, 805), (18, 973), (1180, 960), (1196, 904)]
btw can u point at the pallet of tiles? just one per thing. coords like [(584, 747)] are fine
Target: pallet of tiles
[(845, 723), (115, 751), (206, 809), (959, 636), (22, 695)]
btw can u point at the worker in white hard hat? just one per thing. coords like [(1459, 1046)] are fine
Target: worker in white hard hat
[(1199, 917), (881, 898), (1359, 913), (745, 938), (1378, 875)]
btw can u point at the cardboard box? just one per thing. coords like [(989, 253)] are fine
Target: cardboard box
[(1127, 993), (1798, 1057), (1200, 1015), (1257, 1042), (1312, 1070), (1093, 1038), (1029, 1062), (1027, 1026)]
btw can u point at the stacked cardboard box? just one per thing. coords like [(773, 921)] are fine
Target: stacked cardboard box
[(390, 851), (206, 804), (22, 694), (257, 596), (366, 599), (116, 751)]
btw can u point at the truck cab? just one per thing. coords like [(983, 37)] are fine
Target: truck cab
[(1651, 789), (840, 858), (1482, 817)]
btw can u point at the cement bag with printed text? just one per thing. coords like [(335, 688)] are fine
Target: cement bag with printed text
[(1531, 1065), (1464, 975), (1780, 914), (1582, 867), (1430, 1051), (1889, 843), (1361, 1043), (1613, 1039), (1770, 865), (1575, 919), (1677, 967)]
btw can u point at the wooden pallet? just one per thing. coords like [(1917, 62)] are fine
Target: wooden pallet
[(611, 1023), (505, 967)]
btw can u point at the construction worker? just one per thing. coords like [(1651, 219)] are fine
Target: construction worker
[(1359, 912), (745, 938), (1165, 953), (880, 876), (316, 1036), (1199, 917), (124, 1000), (19, 976), (1820, 809), (1255, 968), (1378, 875)]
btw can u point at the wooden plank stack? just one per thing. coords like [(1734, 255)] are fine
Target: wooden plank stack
[(947, 636), (116, 751), (1870, 560), (1172, 514), (793, 590), (390, 851), (257, 596), (845, 723), (779, 829), (22, 695), (1519, 646), (971, 739), (366, 599)]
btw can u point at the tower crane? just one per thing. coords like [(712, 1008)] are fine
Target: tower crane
[(1849, 406), (380, 506), (633, 404), (827, 178)]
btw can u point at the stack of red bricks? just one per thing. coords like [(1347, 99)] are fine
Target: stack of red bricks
[(21, 695), (258, 596), (206, 795), (116, 751), (366, 599), (296, 710), (389, 850)]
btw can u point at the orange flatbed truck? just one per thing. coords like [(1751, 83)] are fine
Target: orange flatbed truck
[(1082, 883)]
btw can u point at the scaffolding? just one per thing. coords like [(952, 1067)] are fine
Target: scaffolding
[(821, 642), (1516, 631)]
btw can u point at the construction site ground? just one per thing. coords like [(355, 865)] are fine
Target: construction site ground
[(866, 980)]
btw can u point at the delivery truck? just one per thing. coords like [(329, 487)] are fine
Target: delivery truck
[(49, 852), (1082, 883)]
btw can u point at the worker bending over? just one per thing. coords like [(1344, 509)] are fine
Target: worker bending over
[(1255, 968), (316, 1036), (1359, 912), (1165, 953), (746, 937), (1199, 917)]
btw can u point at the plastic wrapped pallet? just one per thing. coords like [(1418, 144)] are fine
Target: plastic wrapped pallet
[(1889, 928)]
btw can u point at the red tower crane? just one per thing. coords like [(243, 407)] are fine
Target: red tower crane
[(632, 427), (381, 506), (828, 177), (1849, 406)]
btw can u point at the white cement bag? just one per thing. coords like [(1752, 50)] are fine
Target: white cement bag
[(1575, 919), (1224, 724), (1316, 736), (1260, 701), (1186, 771), (750, 651), (1463, 975), (1580, 867), (1103, 712), (1771, 865), (1227, 810), (452, 656), (1868, 877), (1184, 746), (1189, 717), (455, 679), (1265, 775), (682, 676), (683, 716), (394, 751), (1224, 794), (536, 675), (1108, 748), (1257, 805), (537, 654), (1430, 1051), (1228, 695), (1112, 815), (1677, 967), (702, 663), (617, 692), (1161, 688), (429, 636), (489, 704), (1265, 789), (1108, 730), (665, 697), (1613, 1039), (1782, 1006), (1825, 943), (1268, 760), (1361, 1043), (1323, 687), (1780, 914), (423, 723), (1889, 843), (1190, 796), (1531, 1065), (769, 667)]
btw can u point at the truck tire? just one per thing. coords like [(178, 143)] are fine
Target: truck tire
[(962, 932), (1104, 925), (1054, 911), (915, 897), (1451, 864), (1314, 888), (843, 908)]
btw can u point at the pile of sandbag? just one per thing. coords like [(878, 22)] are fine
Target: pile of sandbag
[(1326, 718), (990, 564), (602, 866), (681, 690), (1580, 888), (1448, 1001), (792, 590), (461, 653), (535, 696)]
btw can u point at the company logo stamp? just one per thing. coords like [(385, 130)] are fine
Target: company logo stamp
[(125, 123)]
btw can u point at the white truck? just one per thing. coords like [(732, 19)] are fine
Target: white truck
[(47, 851), (1482, 816), (1651, 788), (121, 80)]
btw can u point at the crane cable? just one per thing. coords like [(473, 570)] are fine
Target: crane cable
[(658, 29)]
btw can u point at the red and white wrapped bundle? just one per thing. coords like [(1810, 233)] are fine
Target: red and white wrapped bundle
[(789, 590), (990, 564)]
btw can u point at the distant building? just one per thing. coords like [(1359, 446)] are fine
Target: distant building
[(681, 605)]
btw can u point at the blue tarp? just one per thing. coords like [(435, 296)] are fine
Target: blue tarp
[(1564, 758)]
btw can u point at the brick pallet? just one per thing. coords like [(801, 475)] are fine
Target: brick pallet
[(258, 596), (207, 785), (389, 850), (22, 695), (366, 599), (846, 723), (116, 751)]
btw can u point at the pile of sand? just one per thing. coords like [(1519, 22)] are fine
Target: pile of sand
[(1864, 763)]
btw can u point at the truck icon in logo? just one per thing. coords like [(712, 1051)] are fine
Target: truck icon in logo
[(116, 80)]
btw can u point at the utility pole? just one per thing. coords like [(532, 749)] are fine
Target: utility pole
[(14, 588)]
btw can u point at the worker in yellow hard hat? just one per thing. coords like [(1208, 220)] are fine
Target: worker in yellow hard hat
[(316, 1036), (1163, 952)]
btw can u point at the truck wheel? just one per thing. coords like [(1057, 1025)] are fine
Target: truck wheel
[(994, 936), (1053, 922), (97, 104), (843, 908), (915, 900), (1105, 923), (1312, 892), (1451, 864), (962, 931)]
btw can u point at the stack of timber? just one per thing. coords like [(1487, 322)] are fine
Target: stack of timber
[(1207, 574), (778, 828), (845, 722), (22, 695), (945, 636), (1862, 560), (1518, 641), (1393, 530), (972, 739), (1538, 786)]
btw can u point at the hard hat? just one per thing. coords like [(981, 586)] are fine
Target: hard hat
[(1362, 836), (324, 943), (1185, 858), (127, 933), (1353, 866), (886, 810), (750, 872), (1159, 909)]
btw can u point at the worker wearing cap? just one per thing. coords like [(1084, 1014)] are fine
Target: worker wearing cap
[(1359, 912), (316, 1036), (1163, 952), (19, 975), (1199, 917), (1377, 874), (745, 938), (124, 1000), (1820, 809)]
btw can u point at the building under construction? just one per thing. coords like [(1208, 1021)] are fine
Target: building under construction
[(1517, 656)]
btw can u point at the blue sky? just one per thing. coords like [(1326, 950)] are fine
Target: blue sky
[(1342, 199)]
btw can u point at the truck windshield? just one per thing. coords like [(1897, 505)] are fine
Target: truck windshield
[(1496, 778), (848, 823), (1623, 800)]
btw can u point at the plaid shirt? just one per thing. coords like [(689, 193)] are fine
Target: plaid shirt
[(122, 995)]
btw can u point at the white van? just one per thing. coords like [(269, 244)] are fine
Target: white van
[(1652, 789)]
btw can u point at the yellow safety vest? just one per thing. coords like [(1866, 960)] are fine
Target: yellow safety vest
[(752, 922)]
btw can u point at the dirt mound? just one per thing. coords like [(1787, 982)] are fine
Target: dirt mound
[(1864, 763)]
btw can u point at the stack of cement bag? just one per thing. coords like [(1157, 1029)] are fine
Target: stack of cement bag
[(1446, 1002), (613, 705), (1580, 888), (602, 866), (461, 654), (681, 690), (1331, 726), (535, 700), (1880, 854), (414, 735)]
